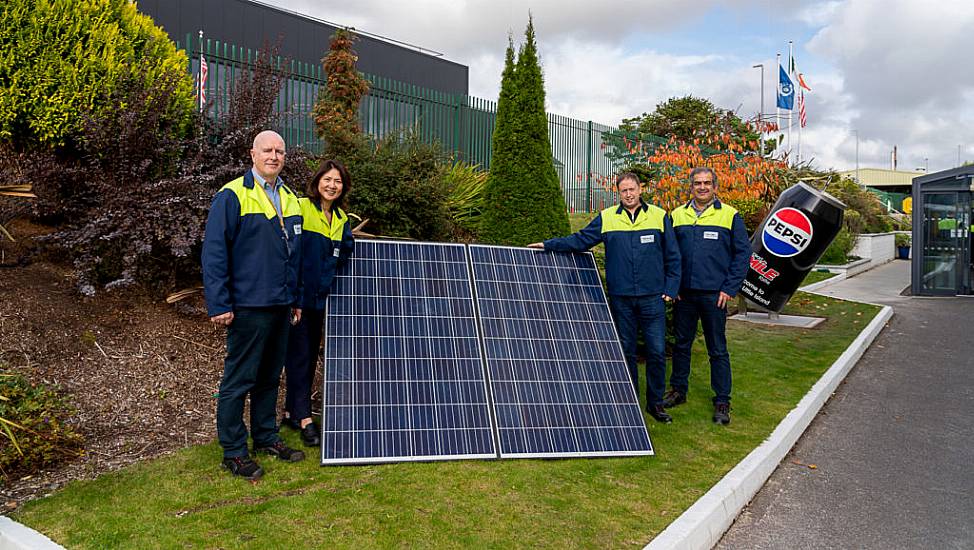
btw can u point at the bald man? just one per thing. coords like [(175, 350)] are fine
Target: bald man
[(251, 260)]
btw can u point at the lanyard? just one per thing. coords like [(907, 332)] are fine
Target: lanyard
[(280, 218)]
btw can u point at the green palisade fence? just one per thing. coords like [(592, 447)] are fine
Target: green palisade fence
[(462, 124)]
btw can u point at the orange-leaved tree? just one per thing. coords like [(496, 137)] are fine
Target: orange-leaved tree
[(747, 181)]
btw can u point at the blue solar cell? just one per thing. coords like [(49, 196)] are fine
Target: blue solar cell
[(404, 376), (559, 381)]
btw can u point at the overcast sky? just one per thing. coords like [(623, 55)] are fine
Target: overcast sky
[(895, 71)]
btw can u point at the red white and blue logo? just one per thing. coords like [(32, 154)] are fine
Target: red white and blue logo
[(787, 233)]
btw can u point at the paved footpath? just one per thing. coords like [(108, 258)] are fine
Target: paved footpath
[(893, 449)]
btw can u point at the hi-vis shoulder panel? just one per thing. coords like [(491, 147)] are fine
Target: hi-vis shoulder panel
[(315, 221), (614, 220), (712, 216), (253, 200)]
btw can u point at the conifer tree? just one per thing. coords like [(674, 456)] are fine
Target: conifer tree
[(336, 112), (524, 201)]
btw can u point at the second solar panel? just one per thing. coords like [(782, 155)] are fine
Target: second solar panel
[(559, 381)]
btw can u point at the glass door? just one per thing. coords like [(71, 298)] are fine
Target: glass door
[(946, 225)]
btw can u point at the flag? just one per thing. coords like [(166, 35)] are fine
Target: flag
[(786, 90), (798, 75), (801, 81), (801, 108), (204, 72)]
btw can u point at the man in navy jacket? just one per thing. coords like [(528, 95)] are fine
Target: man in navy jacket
[(642, 270), (251, 269), (715, 252)]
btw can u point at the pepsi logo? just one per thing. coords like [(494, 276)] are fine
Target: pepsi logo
[(787, 233)]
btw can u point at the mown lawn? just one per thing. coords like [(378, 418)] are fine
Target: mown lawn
[(816, 276), (186, 500)]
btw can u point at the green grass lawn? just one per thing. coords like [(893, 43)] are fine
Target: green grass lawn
[(187, 500), (816, 276)]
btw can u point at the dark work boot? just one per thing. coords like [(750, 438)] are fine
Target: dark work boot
[(673, 398), (243, 466), (722, 413), (282, 452), (659, 413)]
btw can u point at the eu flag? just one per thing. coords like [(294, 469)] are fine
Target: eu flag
[(786, 90)]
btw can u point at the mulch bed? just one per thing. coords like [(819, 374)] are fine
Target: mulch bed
[(143, 375)]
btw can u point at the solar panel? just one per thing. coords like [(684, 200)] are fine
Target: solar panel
[(404, 376), (558, 378)]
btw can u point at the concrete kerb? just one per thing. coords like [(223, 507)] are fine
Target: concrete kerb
[(824, 283), (15, 536), (702, 525)]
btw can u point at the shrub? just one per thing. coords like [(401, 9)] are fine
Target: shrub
[(752, 211), (133, 207), (36, 431), (399, 187), (465, 194), (524, 202), (903, 239), (873, 217), (336, 112), (61, 60), (838, 252)]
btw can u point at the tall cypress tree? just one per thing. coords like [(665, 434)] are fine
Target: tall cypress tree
[(524, 202)]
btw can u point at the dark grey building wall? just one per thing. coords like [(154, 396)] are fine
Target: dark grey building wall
[(249, 25)]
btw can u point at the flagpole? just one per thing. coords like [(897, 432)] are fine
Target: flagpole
[(791, 57), (801, 106), (777, 108), (199, 91)]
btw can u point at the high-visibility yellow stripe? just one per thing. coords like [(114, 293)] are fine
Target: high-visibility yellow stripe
[(714, 217), (652, 218), (255, 201), (315, 221)]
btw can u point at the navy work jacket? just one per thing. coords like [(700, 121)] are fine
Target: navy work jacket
[(642, 257), (714, 247), (324, 247), (248, 259)]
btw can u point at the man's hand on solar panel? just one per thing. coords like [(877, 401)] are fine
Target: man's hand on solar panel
[(536, 245)]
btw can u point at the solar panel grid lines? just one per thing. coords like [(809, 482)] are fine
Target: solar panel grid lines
[(403, 369), (558, 378), (438, 351)]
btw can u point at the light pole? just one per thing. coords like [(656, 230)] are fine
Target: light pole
[(761, 113)]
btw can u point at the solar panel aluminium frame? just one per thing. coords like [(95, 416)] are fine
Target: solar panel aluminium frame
[(648, 451), (490, 413)]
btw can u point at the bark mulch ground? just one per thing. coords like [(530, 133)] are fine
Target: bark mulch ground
[(142, 374)]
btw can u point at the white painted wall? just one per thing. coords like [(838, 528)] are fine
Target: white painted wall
[(879, 248)]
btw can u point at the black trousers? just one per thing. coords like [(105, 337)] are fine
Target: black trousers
[(256, 346), (299, 367)]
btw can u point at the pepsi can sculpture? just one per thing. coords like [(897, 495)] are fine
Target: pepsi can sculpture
[(791, 239)]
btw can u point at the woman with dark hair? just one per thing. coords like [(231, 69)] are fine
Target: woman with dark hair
[(326, 244)]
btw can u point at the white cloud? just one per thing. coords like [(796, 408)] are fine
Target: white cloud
[(895, 71), (903, 66)]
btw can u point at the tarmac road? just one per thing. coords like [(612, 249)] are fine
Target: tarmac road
[(893, 450)]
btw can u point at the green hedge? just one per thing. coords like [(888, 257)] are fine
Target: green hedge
[(60, 60)]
